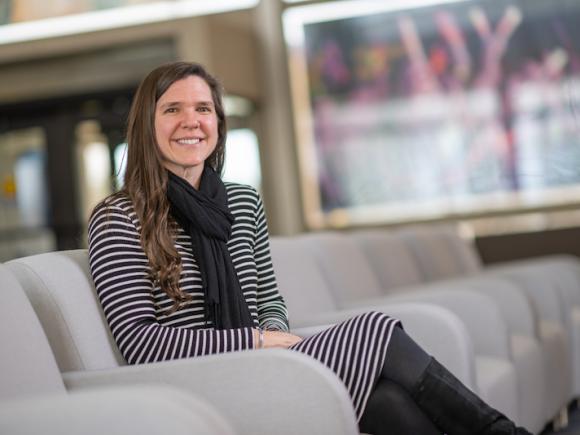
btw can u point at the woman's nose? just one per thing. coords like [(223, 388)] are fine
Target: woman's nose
[(190, 120)]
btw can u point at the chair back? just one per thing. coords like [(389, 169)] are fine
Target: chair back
[(344, 267), (464, 251), (390, 259), (435, 256), (60, 288), (300, 281), (27, 364)]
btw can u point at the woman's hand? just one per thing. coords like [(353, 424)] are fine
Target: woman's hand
[(276, 339)]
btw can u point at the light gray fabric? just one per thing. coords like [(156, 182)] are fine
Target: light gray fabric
[(440, 332), (301, 282), (347, 271), (551, 283), (558, 371), (479, 314), (27, 365), (60, 289), (497, 383), (436, 258), (271, 391), (347, 287), (33, 397), (142, 410), (557, 332), (400, 270), (529, 364), (522, 293), (515, 308), (357, 284), (464, 251), (261, 392)]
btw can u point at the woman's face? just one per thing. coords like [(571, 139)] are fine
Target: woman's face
[(186, 127)]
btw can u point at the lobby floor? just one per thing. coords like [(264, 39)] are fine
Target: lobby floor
[(574, 426)]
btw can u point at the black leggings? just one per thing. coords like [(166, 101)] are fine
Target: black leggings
[(390, 408)]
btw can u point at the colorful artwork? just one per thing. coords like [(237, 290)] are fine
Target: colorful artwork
[(468, 107)]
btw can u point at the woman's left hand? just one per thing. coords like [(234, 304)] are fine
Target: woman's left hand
[(278, 339)]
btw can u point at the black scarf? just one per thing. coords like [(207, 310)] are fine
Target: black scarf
[(204, 215)]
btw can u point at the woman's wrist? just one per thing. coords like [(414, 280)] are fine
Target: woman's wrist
[(258, 338)]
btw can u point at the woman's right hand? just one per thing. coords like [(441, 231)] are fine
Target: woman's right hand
[(276, 339)]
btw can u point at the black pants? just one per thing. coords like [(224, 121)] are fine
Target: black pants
[(390, 409)]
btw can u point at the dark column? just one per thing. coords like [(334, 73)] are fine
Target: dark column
[(61, 170)]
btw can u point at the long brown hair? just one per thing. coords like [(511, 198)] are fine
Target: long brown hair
[(146, 177)]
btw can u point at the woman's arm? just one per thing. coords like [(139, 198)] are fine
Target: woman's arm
[(122, 279)]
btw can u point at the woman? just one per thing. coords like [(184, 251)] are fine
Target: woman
[(182, 267)]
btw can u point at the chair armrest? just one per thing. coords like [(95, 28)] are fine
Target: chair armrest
[(440, 332), (562, 268), (142, 410), (515, 306), (541, 290), (259, 392), (307, 331), (478, 312)]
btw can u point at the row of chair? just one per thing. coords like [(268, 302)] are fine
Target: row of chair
[(509, 333), (522, 317), (57, 349)]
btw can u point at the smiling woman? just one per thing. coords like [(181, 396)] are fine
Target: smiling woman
[(181, 264)]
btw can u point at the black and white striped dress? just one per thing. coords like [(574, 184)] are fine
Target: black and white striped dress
[(136, 309)]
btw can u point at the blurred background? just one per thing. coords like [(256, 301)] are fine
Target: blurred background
[(343, 114)]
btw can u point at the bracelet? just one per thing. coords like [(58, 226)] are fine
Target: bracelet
[(261, 338)]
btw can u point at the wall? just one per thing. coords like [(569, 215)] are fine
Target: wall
[(244, 49)]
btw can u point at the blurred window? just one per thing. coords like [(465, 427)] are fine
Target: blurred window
[(24, 197), (243, 158), (94, 167), (120, 160)]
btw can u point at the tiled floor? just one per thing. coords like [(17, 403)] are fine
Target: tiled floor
[(573, 428)]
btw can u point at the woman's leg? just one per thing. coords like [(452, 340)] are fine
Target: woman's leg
[(451, 406), (391, 411)]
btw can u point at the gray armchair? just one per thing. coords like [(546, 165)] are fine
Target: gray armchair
[(34, 398), (260, 392)]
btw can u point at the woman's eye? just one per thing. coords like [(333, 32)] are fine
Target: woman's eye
[(170, 110), (204, 109)]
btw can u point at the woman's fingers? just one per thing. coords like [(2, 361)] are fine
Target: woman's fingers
[(280, 339)]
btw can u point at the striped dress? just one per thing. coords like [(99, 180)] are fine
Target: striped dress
[(136, 309)]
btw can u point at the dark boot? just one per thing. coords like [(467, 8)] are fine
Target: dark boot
[(390, 410), (455, 409)]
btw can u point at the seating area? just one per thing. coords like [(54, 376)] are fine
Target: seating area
[(520, 318), (509, 332)]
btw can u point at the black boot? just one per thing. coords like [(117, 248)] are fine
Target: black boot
[(455, 409), (390, 410)]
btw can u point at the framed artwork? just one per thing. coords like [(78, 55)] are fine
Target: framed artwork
[(459, 108)]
